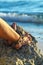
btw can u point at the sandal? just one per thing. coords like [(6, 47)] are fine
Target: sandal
[(21, 42)]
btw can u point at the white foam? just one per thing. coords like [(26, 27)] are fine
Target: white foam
[(23, 17), (13, 15), (2, 14), (8, 14)]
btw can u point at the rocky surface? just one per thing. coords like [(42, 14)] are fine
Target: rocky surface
[(27, 55)]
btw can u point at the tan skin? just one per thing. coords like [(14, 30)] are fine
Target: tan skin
[(8, 33)]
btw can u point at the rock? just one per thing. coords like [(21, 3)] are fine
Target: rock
[(27, 55)]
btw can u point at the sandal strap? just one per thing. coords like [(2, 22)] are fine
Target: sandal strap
[(16, 42), (19, 43)]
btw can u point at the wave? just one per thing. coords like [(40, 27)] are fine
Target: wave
[(36, 18)]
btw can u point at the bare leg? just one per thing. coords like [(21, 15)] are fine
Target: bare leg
[(7, 33)]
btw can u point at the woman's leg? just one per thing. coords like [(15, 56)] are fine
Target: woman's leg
[(7, 33)]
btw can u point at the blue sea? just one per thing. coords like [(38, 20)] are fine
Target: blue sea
[(27, 14)]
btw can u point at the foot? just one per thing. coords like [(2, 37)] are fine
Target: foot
[(22, 42)]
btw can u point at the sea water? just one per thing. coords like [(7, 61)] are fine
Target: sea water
[(27, 14)]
